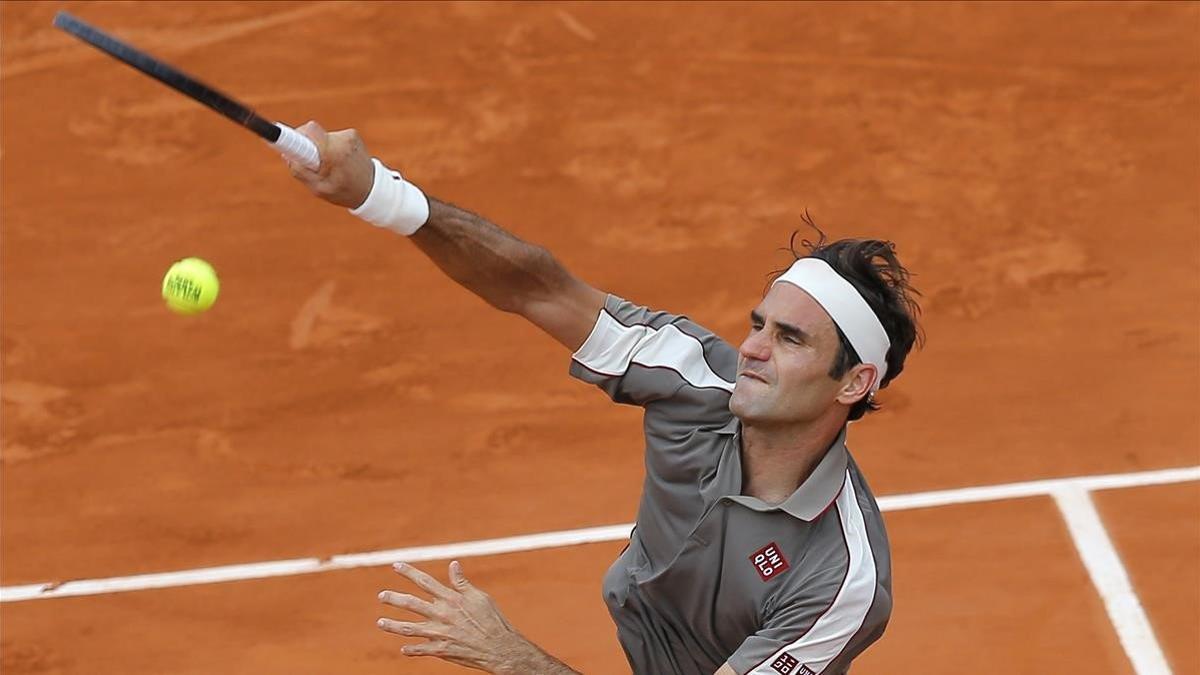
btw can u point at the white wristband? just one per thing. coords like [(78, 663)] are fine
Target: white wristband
[(394, 203)]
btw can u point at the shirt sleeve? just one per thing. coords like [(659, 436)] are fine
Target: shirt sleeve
[(656, 359)]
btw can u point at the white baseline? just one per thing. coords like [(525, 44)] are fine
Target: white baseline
[(531, 542)]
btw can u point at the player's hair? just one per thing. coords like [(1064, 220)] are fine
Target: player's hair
[(873, 268)]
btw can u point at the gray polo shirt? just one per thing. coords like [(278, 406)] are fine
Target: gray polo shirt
[(711, 576)]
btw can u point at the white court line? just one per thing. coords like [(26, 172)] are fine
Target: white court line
[(1108, 574), (278, 568), (1034, 488)]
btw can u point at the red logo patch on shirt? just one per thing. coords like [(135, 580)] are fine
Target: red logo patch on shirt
[(786, 664), (769, 562)]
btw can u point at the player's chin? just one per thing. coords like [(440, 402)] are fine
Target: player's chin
[(744, 402)]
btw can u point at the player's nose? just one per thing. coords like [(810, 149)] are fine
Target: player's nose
[(756, 346)]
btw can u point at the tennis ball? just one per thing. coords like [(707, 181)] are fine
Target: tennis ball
[(190, 286)]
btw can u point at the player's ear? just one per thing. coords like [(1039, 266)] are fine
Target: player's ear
[(857, 383)]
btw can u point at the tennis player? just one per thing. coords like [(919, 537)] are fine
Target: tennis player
[(759, 547)]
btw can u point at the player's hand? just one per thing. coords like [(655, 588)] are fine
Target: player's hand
[(462, 625), (346, 173)]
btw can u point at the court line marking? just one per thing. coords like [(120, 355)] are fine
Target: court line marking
[(1108, 574), (530, 542)]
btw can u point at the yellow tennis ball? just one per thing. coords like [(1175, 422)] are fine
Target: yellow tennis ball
[(190, 286)]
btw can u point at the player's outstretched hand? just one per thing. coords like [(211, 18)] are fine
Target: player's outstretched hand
[(464, 626), (346, 173)]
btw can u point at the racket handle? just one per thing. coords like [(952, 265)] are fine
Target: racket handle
[(296, 147)]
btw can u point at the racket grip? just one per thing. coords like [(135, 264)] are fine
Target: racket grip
[(296, 147)]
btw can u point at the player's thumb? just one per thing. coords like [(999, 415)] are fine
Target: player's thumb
[(317, 134), (458, 578)]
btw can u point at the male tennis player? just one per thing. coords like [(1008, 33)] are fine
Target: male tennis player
[(759, 547)]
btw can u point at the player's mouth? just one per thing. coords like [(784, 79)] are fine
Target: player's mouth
[(746, 374)]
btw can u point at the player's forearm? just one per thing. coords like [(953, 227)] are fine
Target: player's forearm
[(508, 273), (490, 262)]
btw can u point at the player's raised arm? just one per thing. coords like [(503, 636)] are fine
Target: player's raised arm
[(510, 274)]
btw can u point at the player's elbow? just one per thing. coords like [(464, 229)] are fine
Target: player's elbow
[(557, 302), (514, 279), (539, 279)]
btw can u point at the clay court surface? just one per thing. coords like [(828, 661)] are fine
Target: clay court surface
[(1036, 164)]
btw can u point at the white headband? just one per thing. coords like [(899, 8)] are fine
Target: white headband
[(849, 311)]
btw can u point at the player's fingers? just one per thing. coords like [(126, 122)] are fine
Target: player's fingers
[(468, 590), (431, 648), (301, 172), (410, 602), (424, 581), (322, 185), (458, 578), (410, 629), (440, 648), (317, 134)]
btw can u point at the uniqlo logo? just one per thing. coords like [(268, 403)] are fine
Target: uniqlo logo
[(769, 562), (786, 664)]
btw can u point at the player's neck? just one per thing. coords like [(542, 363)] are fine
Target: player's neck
[(777, 460)]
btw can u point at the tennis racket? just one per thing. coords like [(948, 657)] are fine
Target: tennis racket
[(285, 139)]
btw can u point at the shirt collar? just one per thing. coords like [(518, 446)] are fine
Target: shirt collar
[(817, 493), (732, 427)]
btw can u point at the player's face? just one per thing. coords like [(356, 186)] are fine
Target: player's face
[(784, 363)]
